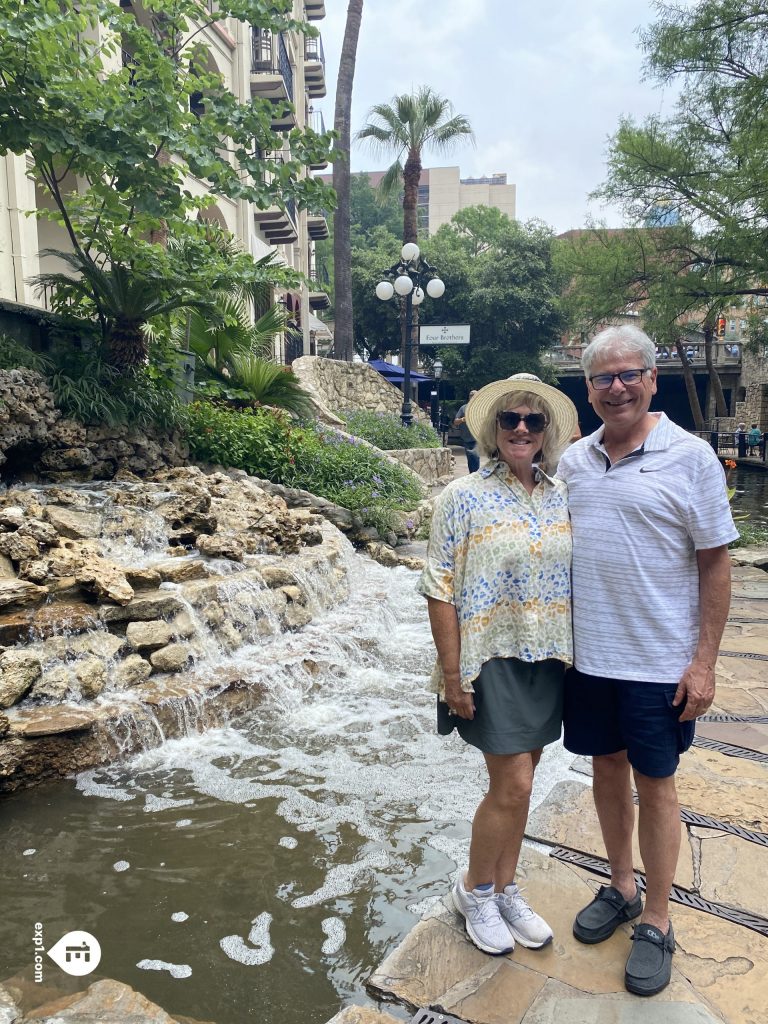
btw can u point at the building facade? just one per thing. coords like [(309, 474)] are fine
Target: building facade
[(443, 192), (287, 68)]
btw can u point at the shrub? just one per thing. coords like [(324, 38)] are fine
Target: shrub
[(750, 534), (267, 444), (385, 430)]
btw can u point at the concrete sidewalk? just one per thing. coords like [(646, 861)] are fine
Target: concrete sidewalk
[(720, 901)]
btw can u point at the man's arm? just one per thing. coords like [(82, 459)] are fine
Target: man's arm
[(697, 685), (444, 622)]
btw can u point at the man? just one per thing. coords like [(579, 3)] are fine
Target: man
[(470, 444), (651, 590)]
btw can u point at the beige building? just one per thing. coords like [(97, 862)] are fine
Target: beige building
[(288, 69), (443, 192)]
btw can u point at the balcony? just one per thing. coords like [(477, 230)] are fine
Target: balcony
[(319, 282), (272, 77), (316, 122), (315, 9), (276, 225), (317, 226), (314, 67)]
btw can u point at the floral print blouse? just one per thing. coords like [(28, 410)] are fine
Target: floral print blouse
[(503, 558)]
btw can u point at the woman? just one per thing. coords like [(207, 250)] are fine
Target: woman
[(497, 582)]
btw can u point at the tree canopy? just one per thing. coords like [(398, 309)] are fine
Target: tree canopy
[(115, 109)]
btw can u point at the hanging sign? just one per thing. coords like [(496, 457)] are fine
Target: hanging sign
[(444, 334)]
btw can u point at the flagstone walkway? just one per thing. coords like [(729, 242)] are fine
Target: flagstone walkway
[(720, 898)]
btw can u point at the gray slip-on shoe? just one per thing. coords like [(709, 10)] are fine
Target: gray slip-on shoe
[(649, 967), (600, 918)]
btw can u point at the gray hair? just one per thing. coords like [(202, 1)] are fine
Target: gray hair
[(550, 451), (626, 340)]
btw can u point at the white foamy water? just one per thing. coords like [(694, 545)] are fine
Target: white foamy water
[(257, 949), (175, 970)]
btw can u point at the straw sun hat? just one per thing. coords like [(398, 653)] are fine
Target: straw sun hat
[(562, 412)]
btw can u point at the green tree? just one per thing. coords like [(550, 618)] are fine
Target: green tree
[(110, 139), (406, 127), (693, 186)]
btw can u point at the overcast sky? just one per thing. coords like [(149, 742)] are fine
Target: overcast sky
[(543, 83)]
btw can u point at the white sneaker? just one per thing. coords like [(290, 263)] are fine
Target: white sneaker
[(528, 928), (482, 919)]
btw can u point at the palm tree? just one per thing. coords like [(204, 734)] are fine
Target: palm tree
[(406, 127), (342, 269)]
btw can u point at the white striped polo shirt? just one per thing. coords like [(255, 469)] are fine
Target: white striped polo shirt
[(637, 525)]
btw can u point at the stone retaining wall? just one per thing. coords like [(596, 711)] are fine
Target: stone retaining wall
[(36, 441), (432, 464), (336, 387)]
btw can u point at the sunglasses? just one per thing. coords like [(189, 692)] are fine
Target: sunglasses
[(535, 422)]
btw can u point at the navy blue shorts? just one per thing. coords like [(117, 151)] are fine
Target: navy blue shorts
[(604, 716)]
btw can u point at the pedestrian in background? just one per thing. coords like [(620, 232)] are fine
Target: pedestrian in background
[(469, 442)]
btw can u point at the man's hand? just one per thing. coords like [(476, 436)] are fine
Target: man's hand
[(696, 690), (459, 701)]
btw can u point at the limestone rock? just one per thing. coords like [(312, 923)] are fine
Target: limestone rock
[(107, 1001), (19, 670), (148, 636), (52, 721), (73, 523), (382, 553), (4, 726), (63, 459), (43, 533), (105, 580), (277, 576), (143, 579), (91, 673), (172, 658), (19, 592), (36, 571), (11, 517), (182, 570), (362, 1015), (6, 568), (221, 546), (17, 547), (132, 671), (55, 684), (141, 609)]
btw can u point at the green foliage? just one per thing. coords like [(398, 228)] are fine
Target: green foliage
[(386, 431), (750, 535), (247, 379), (14, 354), (100, 100), (91, 391), (268, 445)]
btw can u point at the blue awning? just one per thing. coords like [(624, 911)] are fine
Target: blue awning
[(395, 373)]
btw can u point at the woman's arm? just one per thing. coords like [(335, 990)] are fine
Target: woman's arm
[(444, 622)]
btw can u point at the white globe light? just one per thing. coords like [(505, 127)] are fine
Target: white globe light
[(384, 290), (435, 288), (410, 252), (418, 297), (403, 284)]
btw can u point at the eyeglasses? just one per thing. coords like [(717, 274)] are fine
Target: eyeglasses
[(536, 422), (602, 381)]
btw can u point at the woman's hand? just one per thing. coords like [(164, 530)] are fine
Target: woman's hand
[(459, 701)]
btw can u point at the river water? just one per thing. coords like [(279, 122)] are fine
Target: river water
[(261, 872), (751, 493)]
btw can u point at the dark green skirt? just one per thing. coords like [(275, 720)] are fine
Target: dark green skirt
[(518, 707)]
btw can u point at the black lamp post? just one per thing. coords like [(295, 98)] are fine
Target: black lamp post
[(437, 412), (411, 276)]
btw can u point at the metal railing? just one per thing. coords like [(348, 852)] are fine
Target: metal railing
[(723, 354), (734, 443), (284, 64)]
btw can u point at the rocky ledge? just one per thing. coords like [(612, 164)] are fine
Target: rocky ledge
[(116, 600)]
